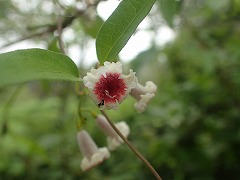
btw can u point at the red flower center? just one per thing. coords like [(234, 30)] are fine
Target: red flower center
[(110, 88)]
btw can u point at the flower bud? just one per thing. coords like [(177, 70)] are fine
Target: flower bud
[(92, 155), (113, 139), (143, 94)]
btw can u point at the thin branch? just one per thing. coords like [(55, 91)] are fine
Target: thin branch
[(36, 34), (51, 28), (144, 160), (65, 22)]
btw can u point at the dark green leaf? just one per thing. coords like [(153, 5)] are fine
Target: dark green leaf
[(119, 27), (34, 64)]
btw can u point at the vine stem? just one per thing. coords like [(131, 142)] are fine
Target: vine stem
[(144, 160)]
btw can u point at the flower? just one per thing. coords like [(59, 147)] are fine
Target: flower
[(108, 86), (143, 94), (113, 139), (92, 154)]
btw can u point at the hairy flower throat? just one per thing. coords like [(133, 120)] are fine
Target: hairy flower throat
[(110, 88)]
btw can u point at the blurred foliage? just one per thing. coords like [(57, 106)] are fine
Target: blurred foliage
[(190, 130)]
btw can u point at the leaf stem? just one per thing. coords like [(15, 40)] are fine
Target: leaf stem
[(144, 160)]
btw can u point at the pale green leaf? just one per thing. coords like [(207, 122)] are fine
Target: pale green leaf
[(119, 27), (34, 64), (168, 9)]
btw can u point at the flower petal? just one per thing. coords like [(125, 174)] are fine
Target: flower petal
[(95, 159)]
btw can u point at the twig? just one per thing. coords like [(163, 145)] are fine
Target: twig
[(66, 22), (36, 34), (144, 160), (51, 28)]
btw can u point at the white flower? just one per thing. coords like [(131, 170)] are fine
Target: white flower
[(108, 86), (113, 139), (92, 154), (143, 94)]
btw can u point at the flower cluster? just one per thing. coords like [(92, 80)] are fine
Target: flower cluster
[(108, 87), (92, 154)]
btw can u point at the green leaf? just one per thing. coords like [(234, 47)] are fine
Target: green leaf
[(53, 45), (119, 27), (91, 27), (168, 9), (34, 64)]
